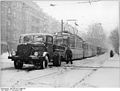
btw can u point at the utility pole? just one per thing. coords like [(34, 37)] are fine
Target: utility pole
[(62, 29), (61, 25)]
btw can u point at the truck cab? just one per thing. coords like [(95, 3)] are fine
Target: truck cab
[(37, 49)]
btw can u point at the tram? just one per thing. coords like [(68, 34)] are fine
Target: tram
[(80, 48)]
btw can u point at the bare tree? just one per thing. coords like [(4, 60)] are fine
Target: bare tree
[(96, 35), (114, 37)]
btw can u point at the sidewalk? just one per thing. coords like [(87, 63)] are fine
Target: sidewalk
[(5, 62), (113, 61), (107, 76)]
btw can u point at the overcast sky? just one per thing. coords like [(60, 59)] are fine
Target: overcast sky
[(105, 12)]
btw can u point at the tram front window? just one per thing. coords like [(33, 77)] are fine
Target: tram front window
[(65, 42), (62, 42), (58, 42)]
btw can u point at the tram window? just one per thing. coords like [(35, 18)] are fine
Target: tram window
[(86, 46), (65, 41), (49, 39), (72, 41), (58, 41), (79, 44)]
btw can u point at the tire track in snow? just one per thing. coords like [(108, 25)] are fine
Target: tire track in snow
[(89, 74), (59, 71), (86, 76)]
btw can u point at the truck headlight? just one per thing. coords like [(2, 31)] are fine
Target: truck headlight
[(35, 53), (13, 53)]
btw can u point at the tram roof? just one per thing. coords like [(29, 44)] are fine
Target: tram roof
[(27, 34), (89, 43), (66, 33)]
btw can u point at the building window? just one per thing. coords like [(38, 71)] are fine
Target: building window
[(8, 23), (14, 14), (9, 10)]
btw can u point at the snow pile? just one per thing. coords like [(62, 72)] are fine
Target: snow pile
[(4, 55), (116, 57)]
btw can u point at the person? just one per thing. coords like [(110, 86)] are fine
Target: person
[(111, 53), (68, 56)]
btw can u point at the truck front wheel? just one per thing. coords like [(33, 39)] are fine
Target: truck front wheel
[(46, 61), (18, 64), (43, 64)]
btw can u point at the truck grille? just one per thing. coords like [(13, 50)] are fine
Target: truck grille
[(24, 50)]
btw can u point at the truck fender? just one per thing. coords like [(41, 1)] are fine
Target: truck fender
[(45, 53)]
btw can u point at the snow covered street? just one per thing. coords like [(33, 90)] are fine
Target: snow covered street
[(107, 76), (99, 71), (59, 44)]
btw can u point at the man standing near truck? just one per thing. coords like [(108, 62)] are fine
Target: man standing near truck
[(68, 56)]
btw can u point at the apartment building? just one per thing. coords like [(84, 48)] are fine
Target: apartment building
[(19, 17)]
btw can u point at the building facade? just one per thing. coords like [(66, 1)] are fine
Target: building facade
[(19, 17)]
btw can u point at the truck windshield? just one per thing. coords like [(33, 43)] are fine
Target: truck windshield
[(31, 38), (38, 38)]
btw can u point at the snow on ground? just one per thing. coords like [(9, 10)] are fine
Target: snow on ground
[(66, 78), (5, 62), (96, 61), (99, 71), (107, 76), (4, 56), (103, 78)]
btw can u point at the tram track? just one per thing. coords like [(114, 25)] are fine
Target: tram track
[(59, 71), (90, 74), (83, 79), (94, 69), (32, 79), (62, 71)]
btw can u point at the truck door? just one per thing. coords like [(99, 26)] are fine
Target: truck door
[(49, 44)]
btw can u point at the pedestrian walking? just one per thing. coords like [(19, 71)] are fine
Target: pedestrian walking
[(111, 53), (68, 56)]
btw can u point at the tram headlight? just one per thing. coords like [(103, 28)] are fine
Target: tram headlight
[(35, 53)]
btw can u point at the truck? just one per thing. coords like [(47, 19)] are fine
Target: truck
[(37, 49)]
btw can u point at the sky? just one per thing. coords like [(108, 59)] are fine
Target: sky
[(105, 12)]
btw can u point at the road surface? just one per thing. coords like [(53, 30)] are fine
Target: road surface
[(99, 71)]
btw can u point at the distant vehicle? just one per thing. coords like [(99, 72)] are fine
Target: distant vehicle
[(111, 53), (37, 49)]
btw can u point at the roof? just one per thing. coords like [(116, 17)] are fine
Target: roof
[(68, 33), (36, 34)]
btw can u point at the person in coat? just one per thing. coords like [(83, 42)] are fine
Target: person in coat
[(111, 53), (68, 56)]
